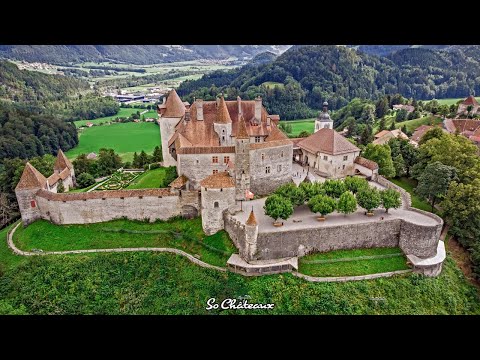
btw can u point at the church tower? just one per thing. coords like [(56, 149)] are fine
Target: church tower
[(242, 160), (323, 121)]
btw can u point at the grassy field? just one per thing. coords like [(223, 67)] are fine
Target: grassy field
[(124, 112), (181, 234), (300, 125), (452, 101), (272, 84), (409, 185), (415, 123), (155, 178), (125, 139), (348, 263)]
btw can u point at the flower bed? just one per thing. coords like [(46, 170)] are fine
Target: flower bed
[(119, 180)]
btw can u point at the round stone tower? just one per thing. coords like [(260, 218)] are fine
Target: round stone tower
[(323, 121), (251, 233)]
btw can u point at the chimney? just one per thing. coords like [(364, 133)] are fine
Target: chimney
[(239, 106), (258, 109), (199, 105), (187, 115)]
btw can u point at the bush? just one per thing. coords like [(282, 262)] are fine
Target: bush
[(277, 206), (369, 199), (322, 204), (85, 180)]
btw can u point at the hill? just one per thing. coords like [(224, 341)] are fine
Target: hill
[(384, 50), (314, 73), (263, 58), (132, 54)]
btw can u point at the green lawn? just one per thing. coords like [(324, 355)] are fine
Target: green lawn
[(300, 125), (409, 184), (182, 234), (452, 101), (348, 263), (125, 139), (124, 112), (415, 123), (156, 178)]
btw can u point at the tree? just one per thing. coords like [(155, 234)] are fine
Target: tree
[(288, 128), (44, 164), (382, 125), (390, 199), (401, 115), (311, 189), (157, 154), (434, 182), (82, 165), (392, 125), (276, 206), (347, 203), (367, 135), (355, 184), (304, 133), (322, 204), (381, 107), (143, 159), (381, 154), (399, 165), (85, 180), (135, 161), (108, 162), (435, 133), (290, 191), (369, 199), (351, 125), (334, 188), (60, 187)]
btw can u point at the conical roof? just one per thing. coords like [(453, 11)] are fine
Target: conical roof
[(252, 220), (31, 179), (62, 161), (471, 101), (174, 105), (223, 117), (242, 129)]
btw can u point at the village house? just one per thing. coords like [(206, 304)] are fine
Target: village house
[(464, 106), (384, 136), (407, 108), (470, 128)]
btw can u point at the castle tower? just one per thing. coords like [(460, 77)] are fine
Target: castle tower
[(169, 117), (62, 163), (242, 160), (323, 121), (30, 182), (251, 233), (218, 194), (223, 123)]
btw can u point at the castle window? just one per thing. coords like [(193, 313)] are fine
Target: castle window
[(215, 159), (223, 138), (281, 154), (33, 203), (226, 159), (343, 167), (279, 168), (345, 158), (263, 157), (325, 157), (267, 170), (257, 139), (223, 131), (215, 204), (198, 162), (215, 171)]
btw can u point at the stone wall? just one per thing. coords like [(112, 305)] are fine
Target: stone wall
[(334, 167), (198, 166), (214, 203), (100, 206), (323, 239), (28, 205), (236, 231), (263, 183), (167, 129)]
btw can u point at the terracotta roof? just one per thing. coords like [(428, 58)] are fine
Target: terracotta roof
[(470, 101), (464, 125), (179, 182), (31, 179), (242, 129), (276, 134), (62, 162), (369, 164), (420, 131), (269, 144), (389, 134), (449, 125), (219, 180), (110, 194), (252, 220), (54, 178), (223, 117), (381, 133), (175, 106), (206, 150), (295, 141), (327, 141)]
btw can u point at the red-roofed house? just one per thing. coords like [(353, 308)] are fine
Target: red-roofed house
[(463, 106)]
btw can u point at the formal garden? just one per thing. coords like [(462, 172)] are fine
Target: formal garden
[(119, 180), (342, 196)]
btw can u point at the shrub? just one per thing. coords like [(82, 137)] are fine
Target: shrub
[(85, 180)]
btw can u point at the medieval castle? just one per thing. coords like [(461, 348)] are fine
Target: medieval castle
[(225, 153)]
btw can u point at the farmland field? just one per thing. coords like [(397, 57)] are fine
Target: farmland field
[(452, 101), (124, 112), (300, 125), (124, 138)]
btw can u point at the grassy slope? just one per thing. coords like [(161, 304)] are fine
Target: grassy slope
[(124, 112), (452, 101), (48, 237), (415, 123), (149, 179), (409, 185), (300, 125), (125, 139), (354, 267)]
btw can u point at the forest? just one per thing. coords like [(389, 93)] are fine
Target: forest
[(309, 75)]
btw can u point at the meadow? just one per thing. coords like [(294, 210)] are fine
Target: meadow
[(300, 125), (124, 138), (156, 178), (124, 112), (452, 101)]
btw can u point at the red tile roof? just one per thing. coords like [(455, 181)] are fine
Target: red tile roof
[(470, 101), (174, 106), (327, 141), (420, 131), (369, 164), (219, 180), (252, 220), (179, 182), (31, 179), (62, 162), (382, 133), (223, 117), (110, 194)]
